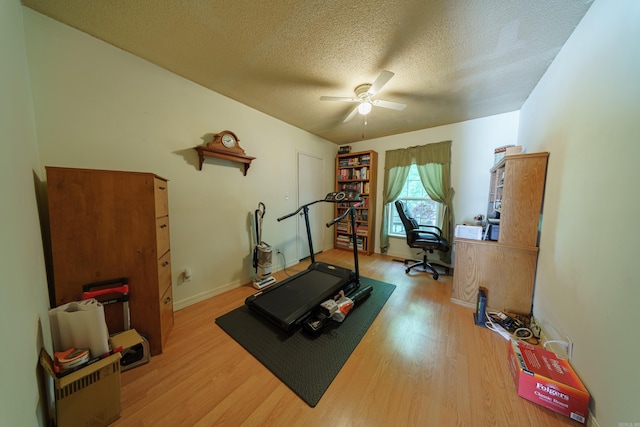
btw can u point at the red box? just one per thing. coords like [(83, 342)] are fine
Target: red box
[(547, 379)]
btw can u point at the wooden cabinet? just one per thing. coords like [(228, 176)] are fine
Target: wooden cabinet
[(517, 188), (358, 172), (506, 268), (106, 225)]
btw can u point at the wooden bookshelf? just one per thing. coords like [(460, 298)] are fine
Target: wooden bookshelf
[(357, 172)]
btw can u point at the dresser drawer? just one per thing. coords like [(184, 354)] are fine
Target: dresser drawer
[(166, 314), (164, 272), (161, 198), (162, 235)]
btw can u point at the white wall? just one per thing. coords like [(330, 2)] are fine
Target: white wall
[(472, 145), (586, 112), (99, 107), (24, 300)]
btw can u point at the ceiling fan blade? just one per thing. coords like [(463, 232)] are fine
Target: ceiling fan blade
[(339, 98), (388, 104), (382, 80), (351, 115)]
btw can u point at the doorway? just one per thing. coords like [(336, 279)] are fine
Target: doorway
[(310, 179)]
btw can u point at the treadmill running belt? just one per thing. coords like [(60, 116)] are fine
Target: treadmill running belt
[(287, 303)]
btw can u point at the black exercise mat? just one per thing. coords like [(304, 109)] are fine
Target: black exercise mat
[(305, 364)]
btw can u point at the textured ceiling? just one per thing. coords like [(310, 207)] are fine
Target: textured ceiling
[(453, 60)]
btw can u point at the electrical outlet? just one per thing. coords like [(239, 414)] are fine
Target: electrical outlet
[(569, 348)]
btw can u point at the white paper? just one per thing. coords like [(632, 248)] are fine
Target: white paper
[(81, 325), (468, 232)]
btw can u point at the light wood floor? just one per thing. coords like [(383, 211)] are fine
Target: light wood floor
[(422, 363)]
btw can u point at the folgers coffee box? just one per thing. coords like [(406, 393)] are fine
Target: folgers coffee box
[(544, 378)]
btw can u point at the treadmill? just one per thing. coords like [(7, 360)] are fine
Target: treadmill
[(288, 303)]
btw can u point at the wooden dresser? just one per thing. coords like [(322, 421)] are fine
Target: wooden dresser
[(110, 224), (506, 267)]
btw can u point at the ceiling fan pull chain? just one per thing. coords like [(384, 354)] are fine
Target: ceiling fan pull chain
[(364, 123)]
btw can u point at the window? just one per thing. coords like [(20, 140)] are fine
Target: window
[(424, 210)]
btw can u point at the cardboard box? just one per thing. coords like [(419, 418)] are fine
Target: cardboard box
[(544, 378), (514, 150), (89, 396), (135, 349)]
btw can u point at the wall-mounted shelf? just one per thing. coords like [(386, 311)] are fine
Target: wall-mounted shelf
[(223, 154)]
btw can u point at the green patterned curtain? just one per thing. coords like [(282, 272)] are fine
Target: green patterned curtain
[(434, 167), (394, 178)]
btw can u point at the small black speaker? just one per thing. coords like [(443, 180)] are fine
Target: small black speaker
[(481, 308)]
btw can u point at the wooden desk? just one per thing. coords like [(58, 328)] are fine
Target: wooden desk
[(506, 271), (506, 268)]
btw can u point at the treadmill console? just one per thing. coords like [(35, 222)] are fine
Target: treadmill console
[(342, 196)]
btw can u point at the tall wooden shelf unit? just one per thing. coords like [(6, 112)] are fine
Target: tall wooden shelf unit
[(358, 172), (106, 225), (506, 268)]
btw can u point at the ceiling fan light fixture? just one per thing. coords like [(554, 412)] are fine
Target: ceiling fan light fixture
[(364, 108), (364, 94)]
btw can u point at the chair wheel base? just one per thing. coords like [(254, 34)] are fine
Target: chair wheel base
[(426, 265)]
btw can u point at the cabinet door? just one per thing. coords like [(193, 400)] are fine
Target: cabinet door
[(506, 272), (523, 190)]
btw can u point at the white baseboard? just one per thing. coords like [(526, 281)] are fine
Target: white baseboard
[(194, 299), (179, 305), (462, 303), (548, 333), (591, 421)]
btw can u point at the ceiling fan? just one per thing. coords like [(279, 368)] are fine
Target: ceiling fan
[(364, 94)]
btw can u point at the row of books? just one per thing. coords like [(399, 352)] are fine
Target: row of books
[(361, 215), (345, 241), (363, 200), (356, 173), (364, 159), (360, 187), (345, 227)]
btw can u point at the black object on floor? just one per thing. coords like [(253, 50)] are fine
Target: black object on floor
[(307, 365)]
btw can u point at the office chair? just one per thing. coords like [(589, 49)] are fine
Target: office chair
[(426, 237)]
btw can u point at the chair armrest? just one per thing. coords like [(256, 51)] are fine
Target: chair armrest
[(438, 229), (419, 231)]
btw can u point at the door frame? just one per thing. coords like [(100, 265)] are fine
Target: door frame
[(302, 244)]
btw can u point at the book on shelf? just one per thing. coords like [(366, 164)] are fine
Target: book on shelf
[(354, 174), (346, 242), (363, 159), (360, 187)]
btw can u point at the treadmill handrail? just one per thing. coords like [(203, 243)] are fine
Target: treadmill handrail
[(298, 210), (344, 215)]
